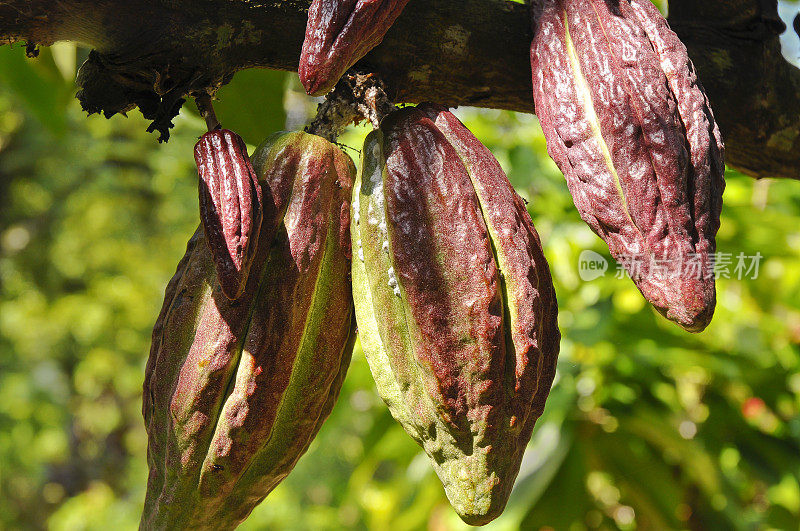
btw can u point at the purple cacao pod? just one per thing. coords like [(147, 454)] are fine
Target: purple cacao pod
[(230, 206), (339, 33), (628, 123), (235, 391), (455, 305)]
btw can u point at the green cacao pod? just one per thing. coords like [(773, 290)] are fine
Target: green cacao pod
[(628, 123), (454, 301), (235, 391)]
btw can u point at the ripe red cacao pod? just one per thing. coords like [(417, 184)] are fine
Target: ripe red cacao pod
[(455, 305), (628, 123), (230, 206), (235, 391), (339, 33)]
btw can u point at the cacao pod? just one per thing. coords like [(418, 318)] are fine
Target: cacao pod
[(628, 123), (339, 33), (455, 305), (230, 206), (236, 390)]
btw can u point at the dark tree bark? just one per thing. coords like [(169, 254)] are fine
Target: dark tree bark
[(455, 52), (754, 92)]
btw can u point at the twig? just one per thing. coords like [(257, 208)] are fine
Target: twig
[(358, 96), (206, 109)]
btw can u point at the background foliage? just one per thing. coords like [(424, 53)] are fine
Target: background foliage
[(647, 426)]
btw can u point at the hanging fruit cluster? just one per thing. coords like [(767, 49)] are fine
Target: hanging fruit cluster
[(428, 248)]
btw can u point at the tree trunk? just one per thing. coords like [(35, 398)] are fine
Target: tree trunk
[(151, 53)]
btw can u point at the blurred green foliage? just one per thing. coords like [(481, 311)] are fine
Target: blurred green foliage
[(647, 426)]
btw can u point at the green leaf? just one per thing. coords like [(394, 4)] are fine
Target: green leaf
[(38, 85)]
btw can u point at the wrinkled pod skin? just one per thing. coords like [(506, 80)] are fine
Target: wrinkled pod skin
[(235, 391), (628, 123), (230, 206), (339, 33), (455, 305)]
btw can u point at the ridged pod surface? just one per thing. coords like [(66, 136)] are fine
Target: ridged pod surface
[(628, 123), (455, 305), (230, 206), (236, 390), (339, 33)]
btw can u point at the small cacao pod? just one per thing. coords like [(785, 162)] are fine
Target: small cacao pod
[(628, 123), (455, 305), (339, 33), (230, 206), (235, 391)]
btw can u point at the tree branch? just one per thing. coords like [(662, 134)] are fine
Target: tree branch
[(151, 53), (754, 91)]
